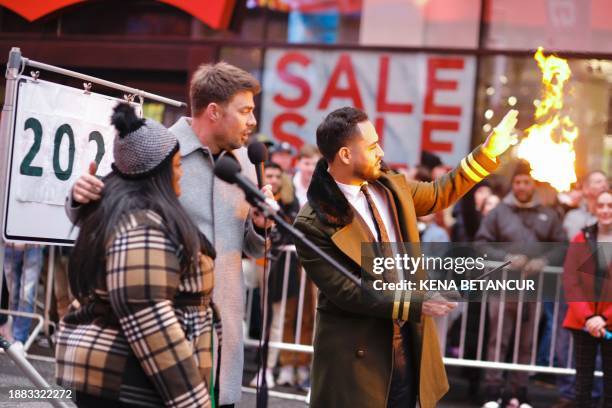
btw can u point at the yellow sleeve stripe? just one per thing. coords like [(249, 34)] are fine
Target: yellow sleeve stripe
[(396, 305), (466, 168), (395, 310), (476, 166), (407, 298), (401, 305), (406, 308)]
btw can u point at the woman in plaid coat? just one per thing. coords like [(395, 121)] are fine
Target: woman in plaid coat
[(143, 275)]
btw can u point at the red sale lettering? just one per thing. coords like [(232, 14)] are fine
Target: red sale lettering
[(291, 79), (281, 135), (433, 146), (344, 67), (382, 105), (434, 84)]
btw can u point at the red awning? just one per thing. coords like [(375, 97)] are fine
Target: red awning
[(216, 14)]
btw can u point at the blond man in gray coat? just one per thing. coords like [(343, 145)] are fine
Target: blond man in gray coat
[(222, 106)]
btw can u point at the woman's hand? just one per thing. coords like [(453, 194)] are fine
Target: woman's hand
[(596, 326), (87, 187)]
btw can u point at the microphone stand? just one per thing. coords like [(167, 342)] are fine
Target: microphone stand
[(299, 236), (270, 213)]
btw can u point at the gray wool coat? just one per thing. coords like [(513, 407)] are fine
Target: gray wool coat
[(221, 212)]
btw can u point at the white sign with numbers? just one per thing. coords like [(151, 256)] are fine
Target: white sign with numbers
[(57, 132)]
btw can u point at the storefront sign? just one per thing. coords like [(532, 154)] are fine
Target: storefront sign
[(416, 101)]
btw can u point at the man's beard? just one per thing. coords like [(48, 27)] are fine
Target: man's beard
[(230, 145), (372, 174), (236, 145), (524, 197)]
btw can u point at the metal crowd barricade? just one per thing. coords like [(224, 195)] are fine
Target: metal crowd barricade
[(493, 362), (44, 321), (497, 362), (296, 346)]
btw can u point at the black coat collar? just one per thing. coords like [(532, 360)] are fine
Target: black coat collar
[(327, 200)]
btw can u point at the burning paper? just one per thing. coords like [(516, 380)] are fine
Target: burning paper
[(549, 144)]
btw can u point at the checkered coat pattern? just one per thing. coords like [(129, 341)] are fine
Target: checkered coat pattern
[(145, 338)]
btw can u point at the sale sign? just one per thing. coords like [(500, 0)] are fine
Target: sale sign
[(416, 101)]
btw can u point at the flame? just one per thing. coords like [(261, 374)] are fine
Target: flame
[(549, 144)]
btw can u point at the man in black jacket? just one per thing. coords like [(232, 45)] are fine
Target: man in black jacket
[(519, 218)]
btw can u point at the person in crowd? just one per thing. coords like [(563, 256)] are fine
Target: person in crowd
[(274, 177), (468, 213), (570, 200), (5, 320), (489, 204), (430, 161), (306, 161), (284, 322), (430, 231), (222, 105), (588, 291), (142, 273), (593, 184), (519, 218), (421, 173), (548, 198), (375, 350), (22, 267), (61, 286), (282, 154), (431, 236), (440, 170)]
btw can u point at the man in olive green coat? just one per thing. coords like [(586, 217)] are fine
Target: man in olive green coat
[(375, 351)]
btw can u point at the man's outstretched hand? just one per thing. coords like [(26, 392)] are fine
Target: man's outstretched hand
[(437, 306), (502, 137), (87, 187)]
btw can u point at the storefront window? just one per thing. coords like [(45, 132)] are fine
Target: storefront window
[(515, 83), (570, 25), (421, 23), (414, 23)]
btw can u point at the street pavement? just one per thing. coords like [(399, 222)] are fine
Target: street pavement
[(11, 378)]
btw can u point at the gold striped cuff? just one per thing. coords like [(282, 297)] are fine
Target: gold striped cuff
[(466, 168), (407, 297), (402, 305), (406, 308), (476, 166)]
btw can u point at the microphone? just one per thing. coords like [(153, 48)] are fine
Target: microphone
[(258, 155), (229, 170)]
